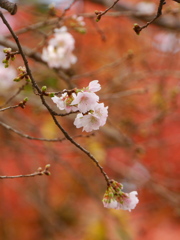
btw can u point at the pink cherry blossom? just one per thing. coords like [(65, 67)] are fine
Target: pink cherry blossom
[(101, 112), (89, 122), (129, 201), (64, 102), (79, 20), (94, 86), (85, 101), (93, 120), (115, 198), (112, 204)]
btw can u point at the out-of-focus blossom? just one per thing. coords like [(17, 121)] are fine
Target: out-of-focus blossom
[(58, 53), (146, 8), (6, 77), (115, 198), (93, 120), (79, 20), (64, 102), (139, 174), (167, 42)]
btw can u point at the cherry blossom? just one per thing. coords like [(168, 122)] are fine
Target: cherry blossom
[(85, 101), (58, 53), (146, 8), (115, 198), (94, 86), (63, 102), (111, 204), (167, 42), (129, 201), (93, 120), (92, 115), (79, 20)]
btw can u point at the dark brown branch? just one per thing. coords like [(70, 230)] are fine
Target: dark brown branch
[(99, 14), (138, 29), (38, 139), (9, 6), (166, 22), (40, 93), (7, 108)]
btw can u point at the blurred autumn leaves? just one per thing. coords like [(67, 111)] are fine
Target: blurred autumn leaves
[(139, 145)]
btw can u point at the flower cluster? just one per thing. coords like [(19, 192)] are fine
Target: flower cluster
[(58, 53), (115, 198), (91, 114)]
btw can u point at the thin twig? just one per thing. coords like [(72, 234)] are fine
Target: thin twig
[(67, 8), (108, 65), (7, 108), (138, 29), (39, 172), (124, 93), (39, 139), (20, 104), (98, 29), (99, 14), (12, 97)]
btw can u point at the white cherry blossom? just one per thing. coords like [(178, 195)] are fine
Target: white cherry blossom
[(111, 204), (115, 198), (93, 120), (63, 102), (85, 101), (146, 8), (129, 202), (94, 86)]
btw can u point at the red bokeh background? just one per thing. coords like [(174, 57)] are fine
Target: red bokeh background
[(139, 146)]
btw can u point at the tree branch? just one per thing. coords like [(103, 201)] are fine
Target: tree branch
[(167, 22), (138, 29), (41, 95), (39, 172), (38, 139), (9, 6), (99, 14)]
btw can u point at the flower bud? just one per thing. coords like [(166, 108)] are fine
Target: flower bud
[(44, 88), (17, 79), (137, 28), (7, 50), (25, 100), (51, 94)]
